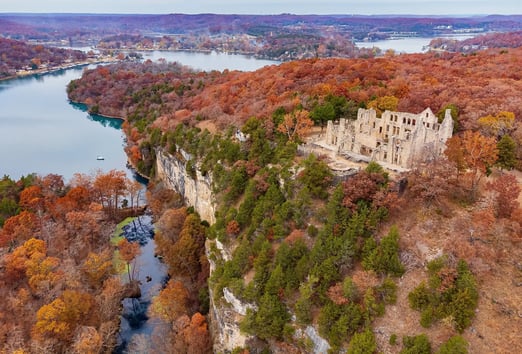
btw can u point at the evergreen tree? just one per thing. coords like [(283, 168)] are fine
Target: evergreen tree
[(384, 259), (507, 147), (446, 295), (350, 290), (322, 113), (416, 345), (362, 343), (454, 115), (454, 345), (276, 283), (303, 305), (271, 318), (262, 268), (316, 175)]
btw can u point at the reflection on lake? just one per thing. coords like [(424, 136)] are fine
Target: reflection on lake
[(209, 61), (41, 132), (408, 44), (104, 121)]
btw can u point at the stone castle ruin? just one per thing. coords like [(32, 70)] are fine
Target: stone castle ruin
[(396, 139)]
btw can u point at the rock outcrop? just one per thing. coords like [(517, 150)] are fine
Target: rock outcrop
[(195, 188)]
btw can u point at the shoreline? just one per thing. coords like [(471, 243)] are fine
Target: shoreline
[(123, 119), (129, 163), (109, 60), (204, 51), (45, 71)]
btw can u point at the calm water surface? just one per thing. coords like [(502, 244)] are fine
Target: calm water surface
[(408, 44), (42, 132), (210, 61)]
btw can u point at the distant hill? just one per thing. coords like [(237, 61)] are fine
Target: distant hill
[(17, 55), (76, 24)]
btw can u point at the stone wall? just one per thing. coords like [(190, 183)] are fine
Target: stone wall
[(395, 139)]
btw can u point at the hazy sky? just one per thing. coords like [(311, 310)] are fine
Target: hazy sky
[(427, 7)]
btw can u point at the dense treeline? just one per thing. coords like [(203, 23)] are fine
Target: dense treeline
[(58, 279), (86, 27), (280, 44), (17, 55), (154, 98), (478, 85), (201, 28)]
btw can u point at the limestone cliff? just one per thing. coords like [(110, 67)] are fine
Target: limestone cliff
[(197, 192), (195, 188)]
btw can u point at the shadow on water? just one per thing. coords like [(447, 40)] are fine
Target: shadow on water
[(105, 121), (139, 230), (152, 275)]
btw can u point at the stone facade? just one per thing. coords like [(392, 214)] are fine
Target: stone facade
[(396, 139)]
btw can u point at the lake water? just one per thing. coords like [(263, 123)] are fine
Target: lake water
[(42, 132), (210, 61), (408, 44)]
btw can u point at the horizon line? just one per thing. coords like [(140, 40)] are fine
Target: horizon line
[(252, 14)]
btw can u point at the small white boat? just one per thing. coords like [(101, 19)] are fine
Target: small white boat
[(99, 157)]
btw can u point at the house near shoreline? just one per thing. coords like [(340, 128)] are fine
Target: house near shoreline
[(396, 139)]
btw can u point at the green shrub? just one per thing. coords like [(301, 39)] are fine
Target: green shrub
[(454, 345), (387, 291), (362, 343), (419, 298), (419, 344), (450, 292), (384, 259), (427, 317), (350, 290)]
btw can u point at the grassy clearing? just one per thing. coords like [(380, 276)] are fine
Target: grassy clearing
[(118, 233), (117, 236)]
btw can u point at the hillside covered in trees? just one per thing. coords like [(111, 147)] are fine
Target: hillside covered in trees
[(18, 55), (432, 266), (58, 277), (65, 271)]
